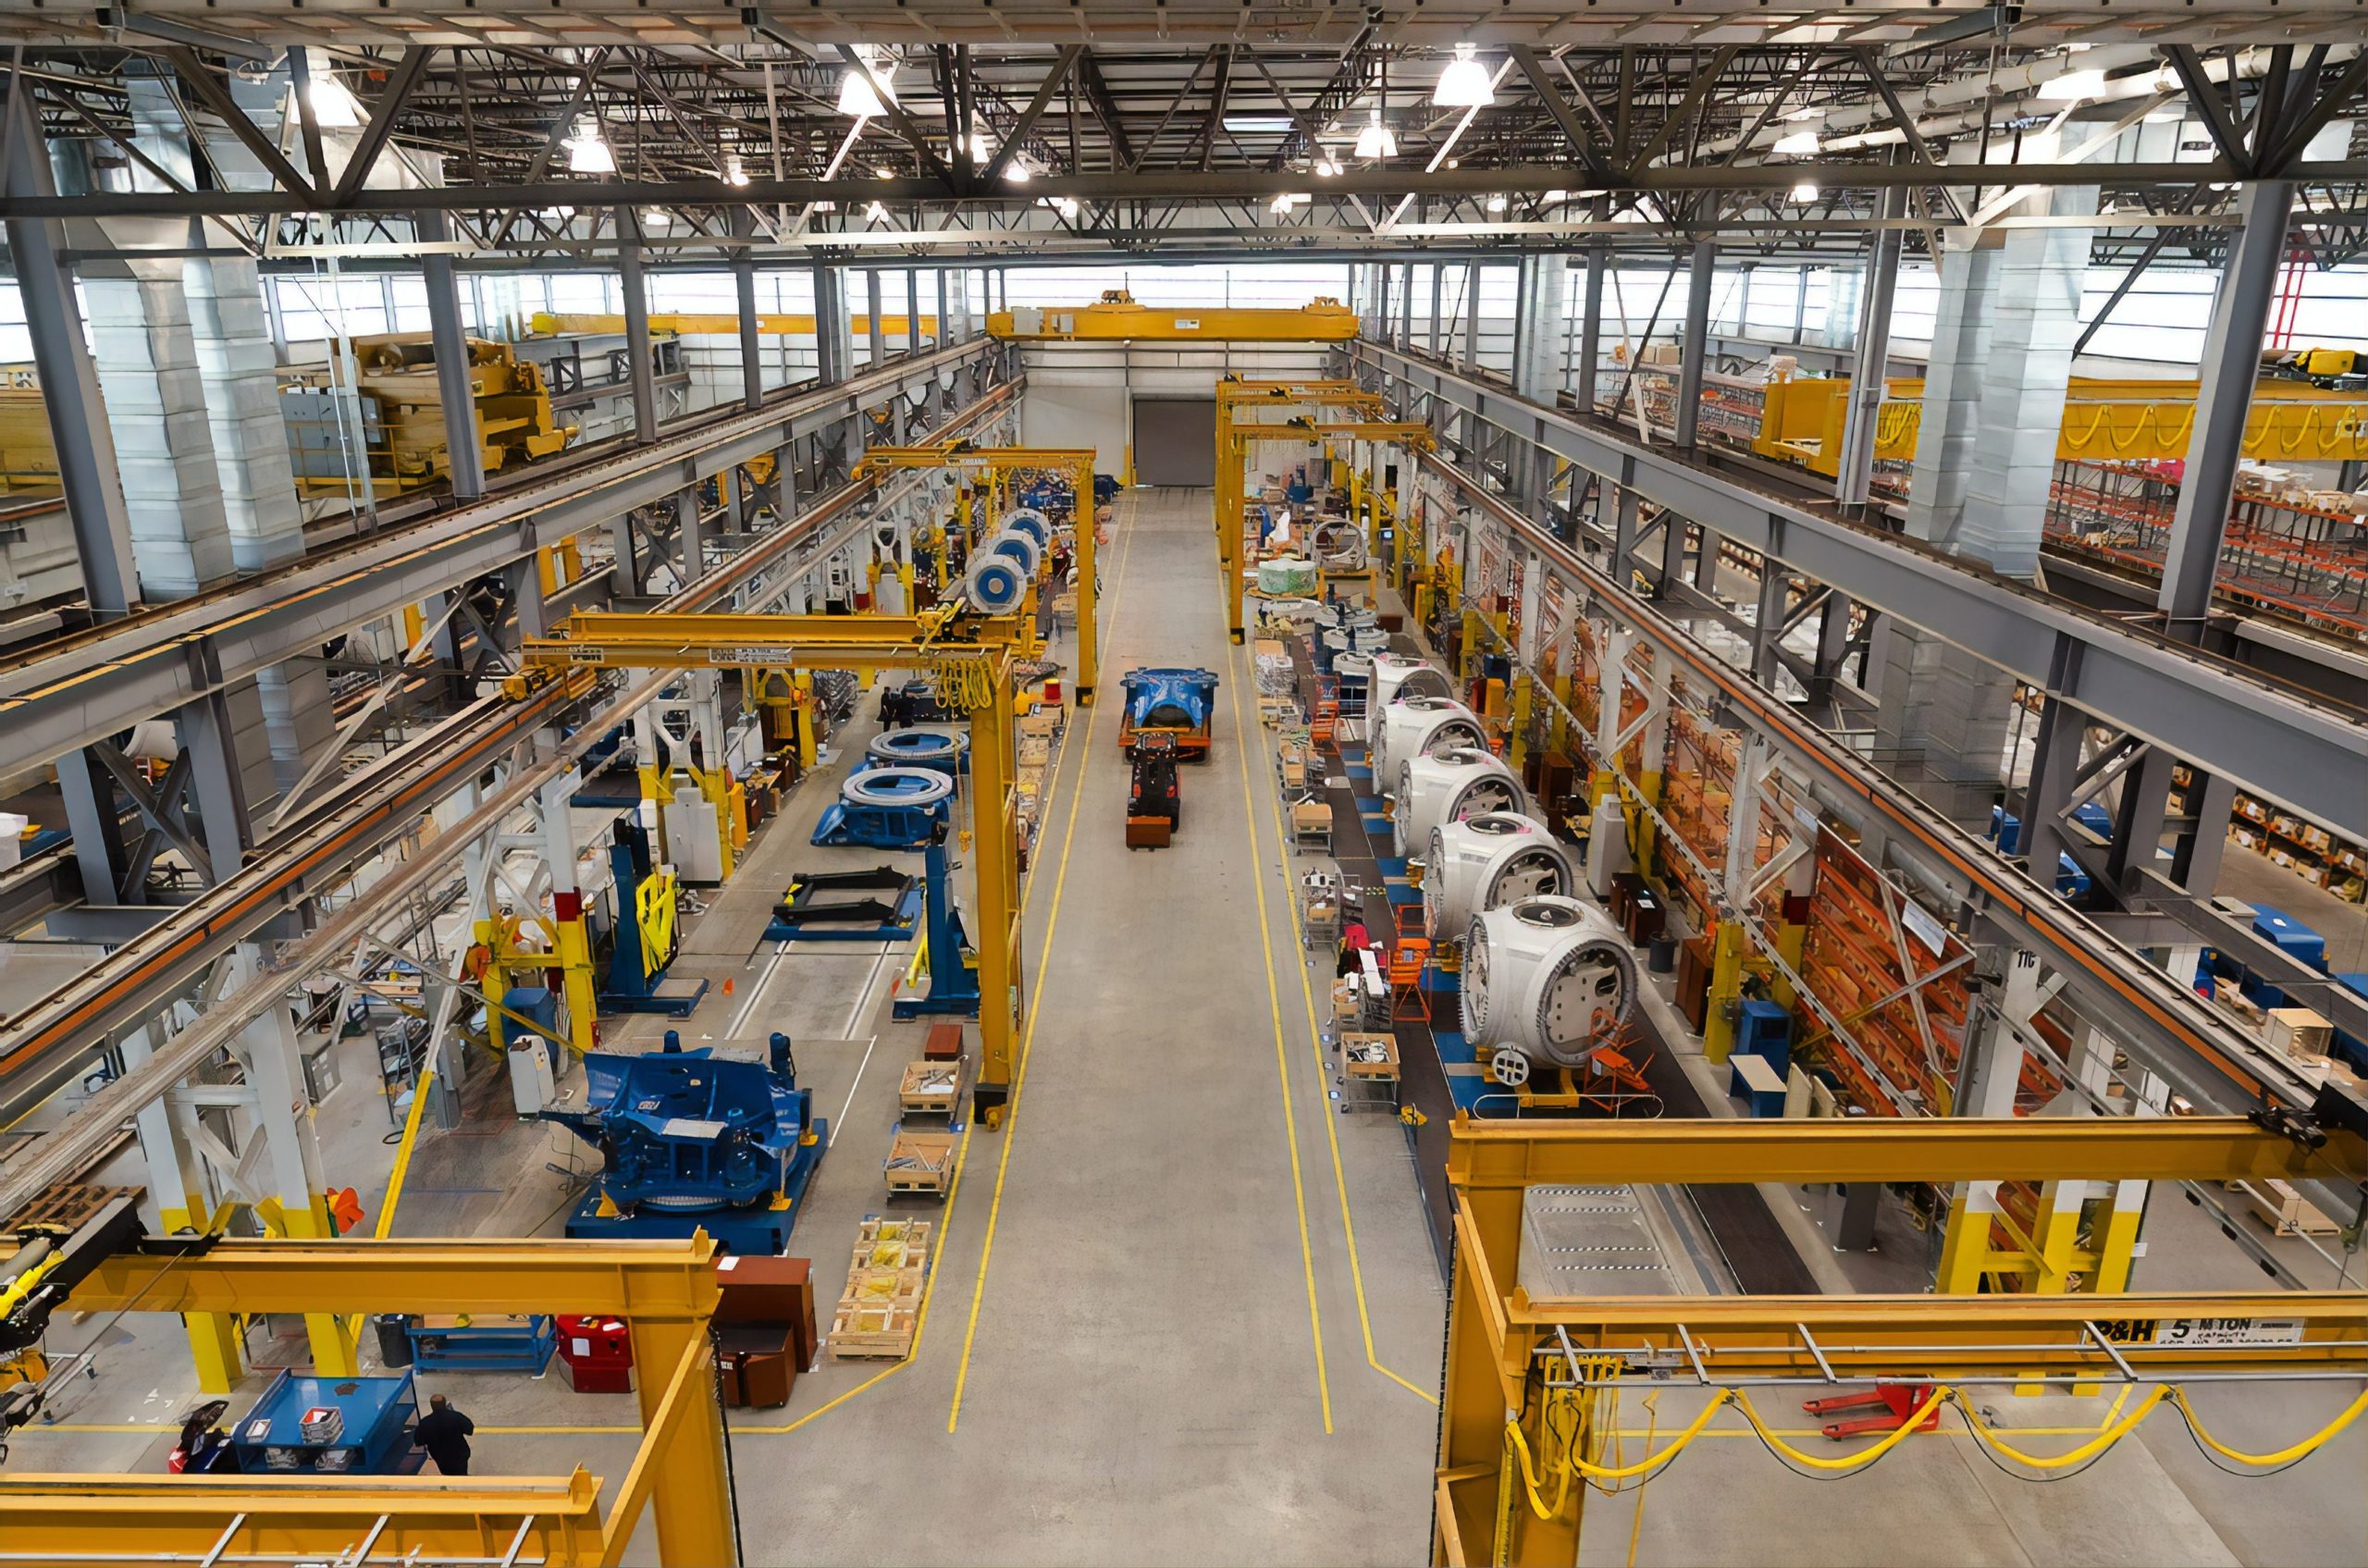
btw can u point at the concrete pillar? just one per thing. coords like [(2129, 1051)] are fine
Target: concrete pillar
[(1694, 352), (634, 286), (69, 381), (2231, 365), (455, 378)]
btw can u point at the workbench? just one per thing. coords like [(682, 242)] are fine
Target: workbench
[(1311, 826)]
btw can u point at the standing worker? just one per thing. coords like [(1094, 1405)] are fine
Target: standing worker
[(444, 1433)]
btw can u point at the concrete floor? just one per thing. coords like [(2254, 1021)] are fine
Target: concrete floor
[(1183, 1310)]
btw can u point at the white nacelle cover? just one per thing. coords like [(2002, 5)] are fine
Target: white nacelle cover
[(1413, 726), (1483, 862), (1552, 977), (1449, 785), (1395, 675)]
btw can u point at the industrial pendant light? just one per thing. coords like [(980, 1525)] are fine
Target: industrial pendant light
[(866, 84), (1375, 140), (587, 153), (333, 104), (1464, 83)]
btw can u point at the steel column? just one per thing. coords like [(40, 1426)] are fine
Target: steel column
[(2231, 365), (455, 377), (1472, 315), (1591, 321), (830, 327), (69, 382), (1694, 352), (1853, 483), (640, 371), (752, 363), (875, 334)]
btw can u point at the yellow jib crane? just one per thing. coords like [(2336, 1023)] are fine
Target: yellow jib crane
[(666, 1290), (969, 658), (1530, 1420), (998, 463), (1235, 437)]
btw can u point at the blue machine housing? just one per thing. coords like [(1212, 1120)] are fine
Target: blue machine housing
[(1175, 700), (690, 1140), (902, 809)]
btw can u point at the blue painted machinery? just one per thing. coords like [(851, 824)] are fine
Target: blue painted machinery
[(1173, 701), (951, 966), (690, 1140), (646, 938), (888, 807), (330, 1426), (498, 1343)]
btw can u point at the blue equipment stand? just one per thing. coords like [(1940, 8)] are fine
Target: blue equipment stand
[(952, 981), (504, 1344), (644, 941), (806, 916)]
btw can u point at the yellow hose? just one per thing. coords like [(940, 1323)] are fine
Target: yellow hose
[(1866, 1456), (1988, 1437), (2302, 1450)]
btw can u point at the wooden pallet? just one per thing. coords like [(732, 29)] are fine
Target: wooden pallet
[(880, 1287), (892, 1244), (869, 1333), (931, 1088), (68, 1207), (920, 1162)]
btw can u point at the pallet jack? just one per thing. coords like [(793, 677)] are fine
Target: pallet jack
[(1155, 804), (1889, 1405)]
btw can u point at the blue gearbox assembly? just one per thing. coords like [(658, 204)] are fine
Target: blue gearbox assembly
[(995, 584), (1175, 701), (692, 1141), (887, 808), (1029, 521)]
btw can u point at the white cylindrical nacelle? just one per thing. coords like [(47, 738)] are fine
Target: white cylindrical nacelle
[(1031, 522), (994, 584), (1547, 978), (1485, 861), (1415, 726), (1395, 675), (1449, 785)]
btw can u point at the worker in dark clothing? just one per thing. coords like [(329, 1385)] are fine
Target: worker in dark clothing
[(444, 1433)]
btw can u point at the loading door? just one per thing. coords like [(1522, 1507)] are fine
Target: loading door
[(1175, 441)]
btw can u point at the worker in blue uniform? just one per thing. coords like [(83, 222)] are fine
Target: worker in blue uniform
[(444, 1433)]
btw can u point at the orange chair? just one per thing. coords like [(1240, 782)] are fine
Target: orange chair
[(1407, 961)]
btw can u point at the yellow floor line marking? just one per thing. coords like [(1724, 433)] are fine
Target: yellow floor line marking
[(962, 1161), (1282, 1062), (1331, 1128), (1035, 993)]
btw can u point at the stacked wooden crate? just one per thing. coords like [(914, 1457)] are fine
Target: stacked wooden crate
[(880, 1311)]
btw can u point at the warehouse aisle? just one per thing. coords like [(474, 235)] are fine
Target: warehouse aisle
[(1134, 1374)]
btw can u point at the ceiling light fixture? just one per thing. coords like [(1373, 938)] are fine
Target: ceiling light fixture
[(1017, 172), (1375, 142), (587, 153), (1463, 83), (1326, 168), (333, 104), (865, 84), (1805, 191), (1289, 199), (876, 213), (1802, 142), (1496, 203), (734, 171)]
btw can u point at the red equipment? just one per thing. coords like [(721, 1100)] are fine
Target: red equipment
[(1896, 1401)]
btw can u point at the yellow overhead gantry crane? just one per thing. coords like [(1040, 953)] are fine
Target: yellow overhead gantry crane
[(969, 656), (1115, 318), (1235, 437), (667, 1291), (1529, 1407), (997, 463)]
